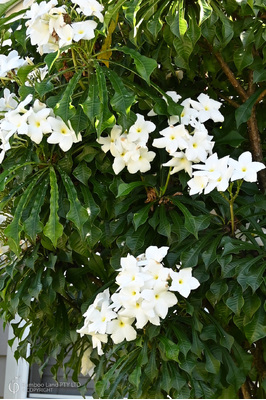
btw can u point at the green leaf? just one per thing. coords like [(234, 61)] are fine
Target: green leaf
[(190, 221), (141, 217), (233, 138), (50, 59), (183, 48), (164, 227), (77, 213), (134, 377), (259, 75), (53, 229), (212, 364), (151, 369), (112, 12), (43, 87), (170, 349), (243, 112), (125, 188), (63, 107), (123, 98), (92, 105), (144, 65), (13, 230), (23, 72), (205, 10), (256, 328), (243, 57), (236, 301), (82, 172), (6, 6), (32, 225), (105, 118)]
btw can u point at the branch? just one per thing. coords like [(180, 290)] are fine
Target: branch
[(245, 391), (230, 75), (229, 101), (261, 96), (256, 149)]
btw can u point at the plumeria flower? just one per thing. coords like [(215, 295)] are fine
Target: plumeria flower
[(183, 281), (158, 300), (245, 168), (62, 134), (97, 338), (84, 30), (8, 102), (66, 34), (37, 121), (188, 114), (156, 253), (199, 146), (87, 366), (140, 160), (174, 137), (114, 136), (139, 132), (121, 329), (197, 184), (179, 161), (157, 275), (90, 8), (100, 318), (10, 62), (135, 311), (208, 108)]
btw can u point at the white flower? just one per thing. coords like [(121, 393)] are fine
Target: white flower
[(3, 249), (66, 34), (87, 366), (179, 161), (158, 300), (84, 30), (8, 102), (188, 114), (90, 8), (10, 62), (245, 168), (199, 146), (208, 108), (37, 121), (174, 96), (139, 132), (183, 281), (135, 310), (174, 137), (100, 318), (156, 253), (197, 184), (140, 160), (121, 329), (112, 138), (62, 134)]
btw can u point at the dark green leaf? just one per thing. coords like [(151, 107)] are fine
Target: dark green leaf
[(144, 65), (243, 112), (53, 229)]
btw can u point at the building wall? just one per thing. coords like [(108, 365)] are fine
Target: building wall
[(3, 352)]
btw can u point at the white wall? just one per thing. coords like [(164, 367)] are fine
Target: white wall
[(3, 353)]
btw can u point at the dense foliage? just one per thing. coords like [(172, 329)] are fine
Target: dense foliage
[(70, 213)]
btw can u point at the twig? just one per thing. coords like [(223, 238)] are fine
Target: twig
[(245, 391)]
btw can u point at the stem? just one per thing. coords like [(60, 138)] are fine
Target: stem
[(231, 203), (163, 190)]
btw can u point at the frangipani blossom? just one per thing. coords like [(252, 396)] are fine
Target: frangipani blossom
[(62, 134), (179, 161), (183, 282), (174, 137), (84, 30), (245, 168), (121, 329), (158, 300), (139, 132), (207, 108)]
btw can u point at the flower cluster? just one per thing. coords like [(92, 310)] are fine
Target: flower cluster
[(216, 173), (184, 146), (144, 295), (50, 27), (34, 122), (129, 149)]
